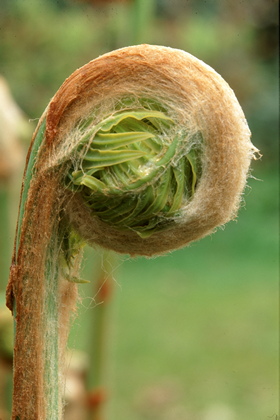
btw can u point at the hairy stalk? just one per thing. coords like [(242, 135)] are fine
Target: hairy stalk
[(141, 151), (39, 303), (39, 296)]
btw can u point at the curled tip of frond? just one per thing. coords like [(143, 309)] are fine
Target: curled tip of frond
[(157, 145)]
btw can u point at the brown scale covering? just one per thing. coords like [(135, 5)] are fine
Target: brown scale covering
[(198, 98)]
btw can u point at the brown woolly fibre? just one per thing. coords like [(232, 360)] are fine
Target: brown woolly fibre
[(197, 98), (26, 287)]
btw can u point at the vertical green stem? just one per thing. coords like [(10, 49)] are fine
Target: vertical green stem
[(42, 301), (98, 345), (143, 11), (51, 313)]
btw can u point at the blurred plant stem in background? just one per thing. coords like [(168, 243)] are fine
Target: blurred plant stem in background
[(14, 131), (143, 12), (99, 336)]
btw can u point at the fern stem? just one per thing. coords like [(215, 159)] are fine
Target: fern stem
[(52, 331), (39, 298)]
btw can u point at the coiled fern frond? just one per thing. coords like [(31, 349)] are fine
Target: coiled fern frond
[(141, 151), (130, 170)]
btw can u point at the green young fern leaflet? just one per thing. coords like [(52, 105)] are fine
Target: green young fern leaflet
[(131, 173)]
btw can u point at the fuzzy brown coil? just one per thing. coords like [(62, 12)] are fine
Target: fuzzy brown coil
[(197, 99)]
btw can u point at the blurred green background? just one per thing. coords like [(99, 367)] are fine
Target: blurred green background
[(194, 334)]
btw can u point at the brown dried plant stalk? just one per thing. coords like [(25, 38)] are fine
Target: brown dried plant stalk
[(141, 151)]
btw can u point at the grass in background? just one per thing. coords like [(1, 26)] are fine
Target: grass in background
[(195, 332)]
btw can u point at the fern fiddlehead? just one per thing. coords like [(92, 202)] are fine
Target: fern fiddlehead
[(141, 151), (130, 174)]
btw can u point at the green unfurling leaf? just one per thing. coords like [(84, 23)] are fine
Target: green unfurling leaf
[(110, 122), (131, 173), (101, 158), (115, 140)]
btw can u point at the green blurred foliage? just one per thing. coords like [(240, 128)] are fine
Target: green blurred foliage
[(43, 41)]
